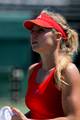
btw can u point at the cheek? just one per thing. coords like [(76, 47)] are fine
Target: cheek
[(50, 39)]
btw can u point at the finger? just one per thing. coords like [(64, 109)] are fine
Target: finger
[(18, 113), (15, 118)]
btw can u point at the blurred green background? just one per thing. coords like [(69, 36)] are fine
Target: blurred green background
[(15, 54)]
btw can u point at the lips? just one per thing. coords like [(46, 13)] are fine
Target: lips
[(34, 42)]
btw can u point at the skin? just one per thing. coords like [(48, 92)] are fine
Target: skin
[(47, 44)]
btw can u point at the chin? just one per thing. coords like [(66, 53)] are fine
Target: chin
[(35, 49)]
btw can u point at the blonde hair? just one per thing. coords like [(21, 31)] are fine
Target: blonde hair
[(68, 47)]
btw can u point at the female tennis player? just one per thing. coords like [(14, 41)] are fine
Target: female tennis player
[(53, 83)]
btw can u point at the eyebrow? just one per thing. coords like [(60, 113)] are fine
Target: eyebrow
[(36, 29)]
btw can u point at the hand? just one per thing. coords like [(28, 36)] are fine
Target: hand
[(18, 115)]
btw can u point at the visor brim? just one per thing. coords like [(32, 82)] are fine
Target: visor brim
[(30, 23)]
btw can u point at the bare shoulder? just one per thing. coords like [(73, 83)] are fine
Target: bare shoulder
[(71, 67), (71, 72), (31, 69)]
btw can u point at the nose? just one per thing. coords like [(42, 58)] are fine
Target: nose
[(34, 34), (33, 38)]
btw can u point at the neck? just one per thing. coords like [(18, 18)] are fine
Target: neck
[(48, 61)]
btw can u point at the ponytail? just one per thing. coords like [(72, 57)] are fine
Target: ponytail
[(69, 48)]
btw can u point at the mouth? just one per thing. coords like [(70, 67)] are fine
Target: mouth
[(34, 42)]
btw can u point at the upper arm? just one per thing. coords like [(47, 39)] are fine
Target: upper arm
[(72, 75), (75, 93), (71, 94)]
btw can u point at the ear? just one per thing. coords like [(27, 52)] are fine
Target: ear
[(58, 36)]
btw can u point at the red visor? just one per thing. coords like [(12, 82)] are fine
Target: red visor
[(44, 20)]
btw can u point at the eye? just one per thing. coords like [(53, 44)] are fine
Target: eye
[(41, 30)]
